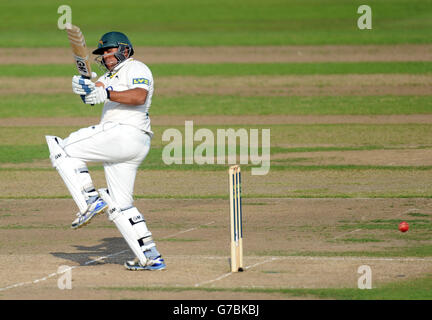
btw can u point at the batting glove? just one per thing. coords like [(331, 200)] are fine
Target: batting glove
[(82, 86), (98, 95)]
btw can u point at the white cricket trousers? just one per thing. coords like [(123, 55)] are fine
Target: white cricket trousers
[(120, 147)]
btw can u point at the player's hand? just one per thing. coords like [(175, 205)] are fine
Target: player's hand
[(82, 86), (98, 95)]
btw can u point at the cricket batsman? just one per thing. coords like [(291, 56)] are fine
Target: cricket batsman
[(121, 141)]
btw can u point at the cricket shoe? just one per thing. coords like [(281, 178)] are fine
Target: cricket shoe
[(154, 264), (93, 209)]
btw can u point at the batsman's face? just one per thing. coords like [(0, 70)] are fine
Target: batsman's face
[(109, 58)]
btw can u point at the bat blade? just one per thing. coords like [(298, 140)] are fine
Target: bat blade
[(79, 49)]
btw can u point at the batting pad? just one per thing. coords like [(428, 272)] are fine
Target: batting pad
[(71, 171), (131, 225)]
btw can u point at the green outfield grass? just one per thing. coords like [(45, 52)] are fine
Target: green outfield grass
[(69, 105), (276, 150), (290, 105), (412, 289), (240, 69), (24, 155), (416, 249), (344, 137), (27, 154), (193, 22), (235, 69), (46, 105), (388, 224)]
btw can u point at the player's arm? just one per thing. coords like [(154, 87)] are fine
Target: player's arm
[(135, 96)]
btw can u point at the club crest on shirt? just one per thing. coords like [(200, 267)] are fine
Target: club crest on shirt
[(140, 81)]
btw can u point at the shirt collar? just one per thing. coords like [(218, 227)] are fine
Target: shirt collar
[(118, 67), (121, 64)]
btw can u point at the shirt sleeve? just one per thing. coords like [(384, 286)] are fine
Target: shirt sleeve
[(102, 79), (140, 76)]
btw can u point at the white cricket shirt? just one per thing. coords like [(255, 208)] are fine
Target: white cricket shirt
[(127, 75)]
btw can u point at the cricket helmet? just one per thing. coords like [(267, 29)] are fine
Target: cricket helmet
[(114, 39)]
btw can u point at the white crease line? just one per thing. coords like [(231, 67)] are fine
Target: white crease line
[(355, 259), (21, 284), (227, 274), (184, 231), (406, 212), (213, 280), (323, 258), (262, 262), (344, 234), (166, 237), (230, 273), (317, 259)]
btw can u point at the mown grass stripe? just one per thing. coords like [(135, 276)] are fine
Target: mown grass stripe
[(69, 105), (28, 153), (195, 167), (304, 68), (417, 31), (31, 227), (417, 251), (361, 135), (247, 196), (236, 69), (221, 22), (22, 154), (281, 150), (412, 289)]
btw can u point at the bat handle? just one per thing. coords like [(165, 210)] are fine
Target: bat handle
[(87, 77)]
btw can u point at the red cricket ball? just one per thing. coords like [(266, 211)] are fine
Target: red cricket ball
[(403, 226)]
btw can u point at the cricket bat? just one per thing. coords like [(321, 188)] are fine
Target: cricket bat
[(79, 49)]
